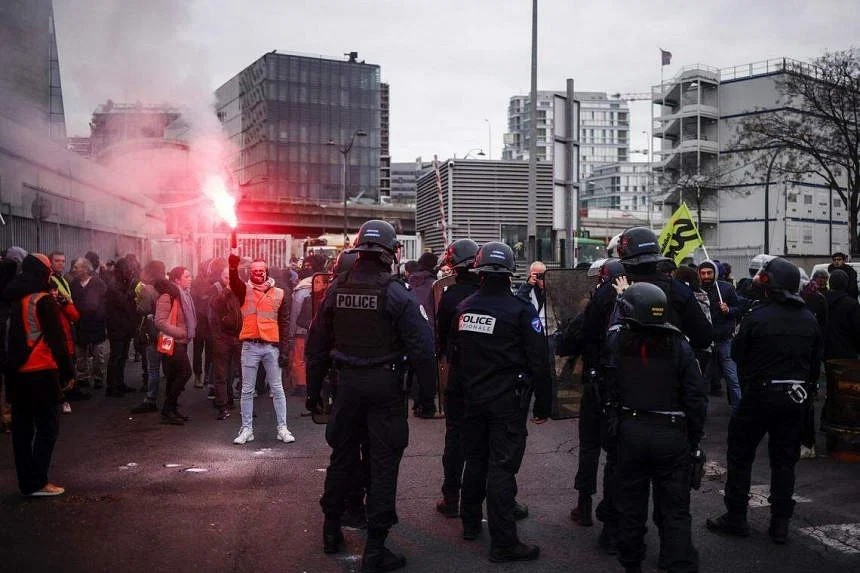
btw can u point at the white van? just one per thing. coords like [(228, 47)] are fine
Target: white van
[(823, 267)]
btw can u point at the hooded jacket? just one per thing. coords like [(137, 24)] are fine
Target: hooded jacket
[(724, 323), (842, 333), (35, 278), (120, 310)]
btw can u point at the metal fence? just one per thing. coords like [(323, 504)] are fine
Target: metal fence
[(47, 236)]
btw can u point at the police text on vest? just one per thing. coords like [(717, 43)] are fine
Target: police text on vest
[(357, 301), (482, 323)]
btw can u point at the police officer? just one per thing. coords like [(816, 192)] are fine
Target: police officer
[(659, 406), (497, 348), (459, 256), (640, 254), (596, 317), (777, 350), (366, 323)]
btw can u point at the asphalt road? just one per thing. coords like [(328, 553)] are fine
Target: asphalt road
[(133, 502)]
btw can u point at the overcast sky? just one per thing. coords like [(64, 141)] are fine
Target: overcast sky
[(450, 64)]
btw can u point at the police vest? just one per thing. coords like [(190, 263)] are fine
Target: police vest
[(40, 356), (361, 328), (648, 375), (260, 314)]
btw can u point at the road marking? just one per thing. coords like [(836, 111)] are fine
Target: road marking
[(760, 493), (842, 537), (196, 470)]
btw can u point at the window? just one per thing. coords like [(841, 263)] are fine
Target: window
[(807, 199), (515, 236)]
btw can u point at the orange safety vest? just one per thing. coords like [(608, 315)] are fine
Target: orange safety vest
[(260, 314), (40, 357)]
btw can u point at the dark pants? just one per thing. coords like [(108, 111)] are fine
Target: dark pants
[(494, 441), (201, 343), (590, 423), (367, 398), (226, 354), (453, 458), (764, 410), (116, 362), (654, 452), (177, 371), (607, 510), (35, 426)]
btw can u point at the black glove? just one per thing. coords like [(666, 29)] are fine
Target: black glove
[(312, 403), (233, 261), (283, 360), (697, 467)]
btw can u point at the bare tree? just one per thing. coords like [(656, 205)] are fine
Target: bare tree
[(815, 130)]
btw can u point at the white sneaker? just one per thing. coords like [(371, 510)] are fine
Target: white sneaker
[(285, 436), (245, 435), (67, 408), (807, 453)]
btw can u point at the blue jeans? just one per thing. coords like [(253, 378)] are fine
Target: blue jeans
[(153, 373), (253, 355), (730, 371)]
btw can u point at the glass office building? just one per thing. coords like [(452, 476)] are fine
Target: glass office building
[(282, 111)]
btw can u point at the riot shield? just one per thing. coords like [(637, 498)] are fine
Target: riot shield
[(567, 293), (441, 363)]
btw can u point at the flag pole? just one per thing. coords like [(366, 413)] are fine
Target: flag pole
[(705, 250)]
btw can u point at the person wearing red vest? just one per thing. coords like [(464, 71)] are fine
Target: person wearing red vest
[(38, 366), (264, 337)]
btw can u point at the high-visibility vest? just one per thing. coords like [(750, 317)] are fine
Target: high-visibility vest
[(260, 314), (40, 357)]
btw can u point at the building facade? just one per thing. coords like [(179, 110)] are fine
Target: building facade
[(697, 117), (281, 112), (621, 186), (604, 132)]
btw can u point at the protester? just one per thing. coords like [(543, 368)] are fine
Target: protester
[(175, 317), (91, 345), (146, 297), (121, 324), (840, 262), (725, 309), (225, 323)]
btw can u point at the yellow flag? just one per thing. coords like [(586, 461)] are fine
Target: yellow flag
[(679, 237)]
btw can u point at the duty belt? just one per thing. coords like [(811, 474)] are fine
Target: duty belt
[(796, 389), (392, 366), (628, 414)]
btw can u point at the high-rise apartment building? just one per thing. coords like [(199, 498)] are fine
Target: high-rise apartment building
[(697, 115), (282, 112), (604, 132)]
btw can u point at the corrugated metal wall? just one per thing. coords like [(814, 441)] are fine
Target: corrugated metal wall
[(73, 241)]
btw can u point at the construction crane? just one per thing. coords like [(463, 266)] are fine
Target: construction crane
[(632, 96)]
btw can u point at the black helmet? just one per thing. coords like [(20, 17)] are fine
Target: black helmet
[(780, 276), (376, 235), (644, 304), (611, 270), (639, 245), (344, 261), (495, 258), (460, 254)]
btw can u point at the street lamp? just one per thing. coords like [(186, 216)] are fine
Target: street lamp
[(345, 149), (479, 154)]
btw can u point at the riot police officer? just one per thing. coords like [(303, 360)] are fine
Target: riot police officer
[(497, 349), (366, 323), (659, 406), (459, 256), (777, 350), (595, 323)]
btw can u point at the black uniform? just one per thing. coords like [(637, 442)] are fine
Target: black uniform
[(655, 379), (453, 459), (498, 346), (366, 323), (777, 342)]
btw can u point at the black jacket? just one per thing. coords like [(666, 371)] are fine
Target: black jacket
[(121, 319), (495, 337), (596, 319), (34, 279), (724, 324), (90, 302), (842, 333), (852, 289), (466, 285)]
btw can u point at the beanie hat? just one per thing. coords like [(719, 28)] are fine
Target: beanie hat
[(44, 259), (427, 262)]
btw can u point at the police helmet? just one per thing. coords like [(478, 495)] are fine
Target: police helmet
[(780, 276), (344, 261), (495, 258), (460, 254), (594, 268), (757, 262), (644, 304), (376, 235), (611, 270), (638, 245), (612, 247)]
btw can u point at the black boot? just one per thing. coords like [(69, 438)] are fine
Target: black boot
[(377, 558), (581, 514), (518, 552), (354, 516), (608, 540), (449, 506), (332, 536), (778, 530), (729, 524)]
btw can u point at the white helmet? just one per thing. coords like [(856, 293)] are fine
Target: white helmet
[(594, 269), (612, 247), (758, 261)]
